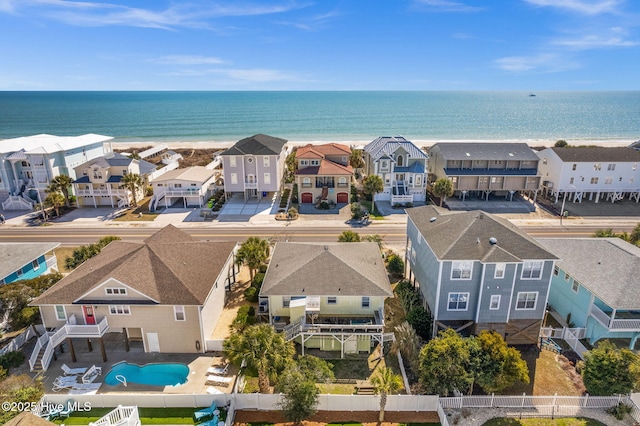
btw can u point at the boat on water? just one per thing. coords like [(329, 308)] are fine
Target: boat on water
[(531, 95)]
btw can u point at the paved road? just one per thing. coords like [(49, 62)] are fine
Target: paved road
[(392, 233)]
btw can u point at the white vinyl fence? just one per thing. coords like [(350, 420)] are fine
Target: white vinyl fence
[(570, 335), (17, 342)]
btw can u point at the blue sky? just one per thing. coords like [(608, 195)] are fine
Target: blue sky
[(320, 45)]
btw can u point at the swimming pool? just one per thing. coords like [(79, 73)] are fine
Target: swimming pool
[(151, 374)]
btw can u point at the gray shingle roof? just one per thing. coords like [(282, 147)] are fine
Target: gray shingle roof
[(386, 145), (257, 145), (608, 267), (170, 267), (465, 236), (597, 154), (14, 256), (326, 269), (195, 174), (486, 151)]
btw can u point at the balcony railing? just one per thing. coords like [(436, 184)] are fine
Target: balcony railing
[(100, 192), (323, 184), (183, 193), (626, 324), (250, 185)]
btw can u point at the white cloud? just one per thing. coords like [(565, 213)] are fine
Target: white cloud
[(544, 62), (259, 75), (446, 6), (586, 7), (188, 60), (596, 42)]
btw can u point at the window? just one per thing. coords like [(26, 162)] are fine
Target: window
[(304, 163), (266, 161), (97, 174), (384, 164), (575, 286), (19, 272), (119, 310), (499, 272), (250, 160), (124, 172), (574, 166), (179, 313), (494, 304), (387, 179), (608, 180), (566, 277), (611, 167), (571, 181), (315, 162), (418, 180), (458, 301), (286, 300), (597, 167), (635, 166), (177, 185), (365, 302), (399, 161), (306, 182), (61, 314), (194, 184), (234, 178), (332, 300), (483, 179), (267, 178), (232, 161), (115, 290), (35, 264), (526, 300), (532, 270), (342, 182), (556, 271), (594, 181), (461, 270)]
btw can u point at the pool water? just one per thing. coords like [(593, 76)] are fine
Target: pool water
[(150, 374)]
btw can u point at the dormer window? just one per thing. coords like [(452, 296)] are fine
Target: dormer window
[(400, 161), (315, 162)]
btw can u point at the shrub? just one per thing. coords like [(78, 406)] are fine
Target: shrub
[(293, 212), (246, 316), (420, 320), (262, 268), (11, 360), (148, 192), (408, 205), (251, 294), (356, 210), (324, 206), (620, 411), (395, 265), (257, 280)]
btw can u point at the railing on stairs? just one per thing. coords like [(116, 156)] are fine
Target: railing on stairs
[(40, 343), (17, 202), (120, 416), (291, 331), (153, 204)]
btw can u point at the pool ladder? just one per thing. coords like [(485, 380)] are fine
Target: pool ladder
[(121, 379)]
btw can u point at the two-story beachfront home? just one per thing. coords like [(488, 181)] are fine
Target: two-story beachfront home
[(99, 181), (28, 164), (166, 292), (595, 286), (341, 311), (401, 165), (323, 173), (254, 166), (477, 271), (480, 169), (191, 186), (601, 172), (23, 261)]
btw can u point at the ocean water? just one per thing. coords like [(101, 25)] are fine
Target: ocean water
[(324, 116)]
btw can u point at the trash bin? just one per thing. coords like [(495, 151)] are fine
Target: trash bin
[(264, 194)]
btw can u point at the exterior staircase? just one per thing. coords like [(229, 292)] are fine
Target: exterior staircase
[(291, 331)]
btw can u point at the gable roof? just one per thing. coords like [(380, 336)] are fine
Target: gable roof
[(326, 167), (195, 174), (44, 144), (386, 145), (170, 267), (116, 159), (326, 269), (597, 154), (608, 267), (465, 236), (14, 256), (257, 145), (485, 151)]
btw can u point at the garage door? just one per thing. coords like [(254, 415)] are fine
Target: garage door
[(307, 198), (343, 197)]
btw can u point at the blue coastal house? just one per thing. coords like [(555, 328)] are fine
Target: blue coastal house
[(476, 271), (23, 261), (595, 285)]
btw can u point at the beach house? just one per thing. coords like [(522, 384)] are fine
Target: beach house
[(254, 166), (595, 287), (478, 170), (99, 181), (401, 165), (323, 173), (477, 271), (28, 164), (23, 261), (191, 186), (601, 173), (166, 293), (341, 311)]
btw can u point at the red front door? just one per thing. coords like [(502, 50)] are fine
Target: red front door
[(343, 197), (307, 197), (89, 317)]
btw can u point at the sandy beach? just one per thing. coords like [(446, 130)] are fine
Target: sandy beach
[(421, 143)]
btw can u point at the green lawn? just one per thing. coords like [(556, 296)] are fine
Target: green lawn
[(568, 421), (148, 416)]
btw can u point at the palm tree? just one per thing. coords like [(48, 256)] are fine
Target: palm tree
[(262, 348), (373, 185), (355, 159), (55, 200), (385, 382), (408, 343), (133, 182), (61, 183), (349, 237), (443, 188), (253, 253)]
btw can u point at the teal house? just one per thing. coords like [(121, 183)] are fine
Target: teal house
[(23, 261), (595, 285)]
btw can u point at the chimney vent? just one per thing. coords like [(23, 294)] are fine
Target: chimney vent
[(493, 241)]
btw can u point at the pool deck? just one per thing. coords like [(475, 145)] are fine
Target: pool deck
[(115, 350)]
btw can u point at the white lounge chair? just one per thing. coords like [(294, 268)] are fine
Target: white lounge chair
[(213, 391), (59, 385), (91, 374), (218, 380), (220, 370), (73, 371), (85, 388)]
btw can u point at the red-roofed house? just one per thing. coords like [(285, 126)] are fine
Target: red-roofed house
[(324, 173)]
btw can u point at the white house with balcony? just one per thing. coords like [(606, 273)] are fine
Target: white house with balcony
[(28, 164), (401, 165), (191, 186), (595, 286), (600, 173)]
